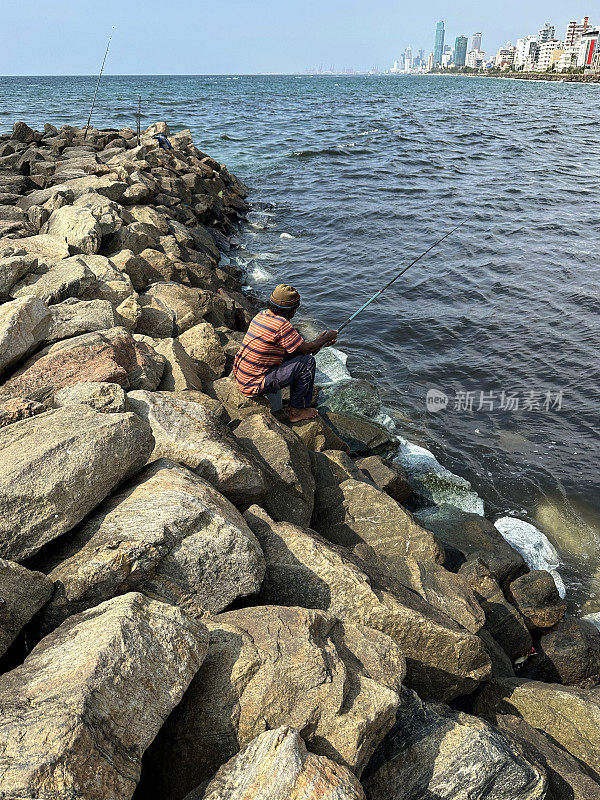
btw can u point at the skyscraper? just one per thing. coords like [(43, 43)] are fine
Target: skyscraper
[(439, 43), (408, 58), (476, 41), (460, 51)]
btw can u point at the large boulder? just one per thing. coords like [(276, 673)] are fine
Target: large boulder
[(569, 653), (361, 517), (203, 345), (110, 356), (277, 765), (14, 265), (353, 396), (332, 467), (21, 132), (23, 325), (237, 405), (42, 246), (180, 373), (449, 593), (474, 536), (502, 620), (434, 752), (106, 397), (183, 302), (536, 596), (569, 716), (186, 432), (169, 535), (316, 434), (292, 496), (74, 317), (106, 212), (22, 594), (56, 467), (55, 282), (137, 237), (387, 475), (363, 436), (109, 282), (76, 226), (443, 659), (78, 715), (156, 319), (567, 780), (269, 666)]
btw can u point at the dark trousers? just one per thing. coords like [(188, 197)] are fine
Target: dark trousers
[(299, 374)]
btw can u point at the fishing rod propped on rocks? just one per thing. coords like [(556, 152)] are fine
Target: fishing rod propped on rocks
[(96, 92), (399, 275)]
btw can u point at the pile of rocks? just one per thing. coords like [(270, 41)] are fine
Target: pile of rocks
[(200, 601)]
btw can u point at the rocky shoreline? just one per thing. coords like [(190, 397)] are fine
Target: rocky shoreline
[(560, 77), (200, 601)]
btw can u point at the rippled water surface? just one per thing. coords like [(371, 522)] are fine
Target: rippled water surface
[(364, 173)]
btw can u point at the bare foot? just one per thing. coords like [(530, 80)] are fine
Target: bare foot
[(301, 414)]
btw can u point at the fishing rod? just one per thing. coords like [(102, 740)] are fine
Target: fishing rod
[(96, 92), (399, 275)]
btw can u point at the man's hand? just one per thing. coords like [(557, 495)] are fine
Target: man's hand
[(329, 338), (326, 339)]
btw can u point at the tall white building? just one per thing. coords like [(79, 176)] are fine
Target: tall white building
[(476, 41), (575, 31), (548, 54), (525, 51)]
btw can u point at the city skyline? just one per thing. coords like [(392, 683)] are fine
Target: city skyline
[(199, 38)]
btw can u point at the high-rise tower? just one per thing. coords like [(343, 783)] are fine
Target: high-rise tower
[(476, 41), (460, 51), (438, 50)]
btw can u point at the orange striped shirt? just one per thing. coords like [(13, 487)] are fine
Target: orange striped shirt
[(268, 339)]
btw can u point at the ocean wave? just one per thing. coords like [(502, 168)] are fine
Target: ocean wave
[(338, 151)]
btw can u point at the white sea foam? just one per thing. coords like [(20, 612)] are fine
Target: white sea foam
[(286, 236), (433, 483), (593, 618), (331, 366), (535, 547), (258, 274)]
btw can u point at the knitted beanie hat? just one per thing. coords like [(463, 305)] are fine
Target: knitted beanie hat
[(284, 296)]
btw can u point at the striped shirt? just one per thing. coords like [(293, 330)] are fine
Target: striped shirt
[(268, 339)]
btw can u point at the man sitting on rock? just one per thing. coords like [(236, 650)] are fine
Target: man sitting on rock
[(273, 355)]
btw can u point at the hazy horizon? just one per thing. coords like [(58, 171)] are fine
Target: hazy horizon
[(187, 38)]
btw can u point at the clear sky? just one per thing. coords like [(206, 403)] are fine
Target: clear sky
[(63, 37)]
